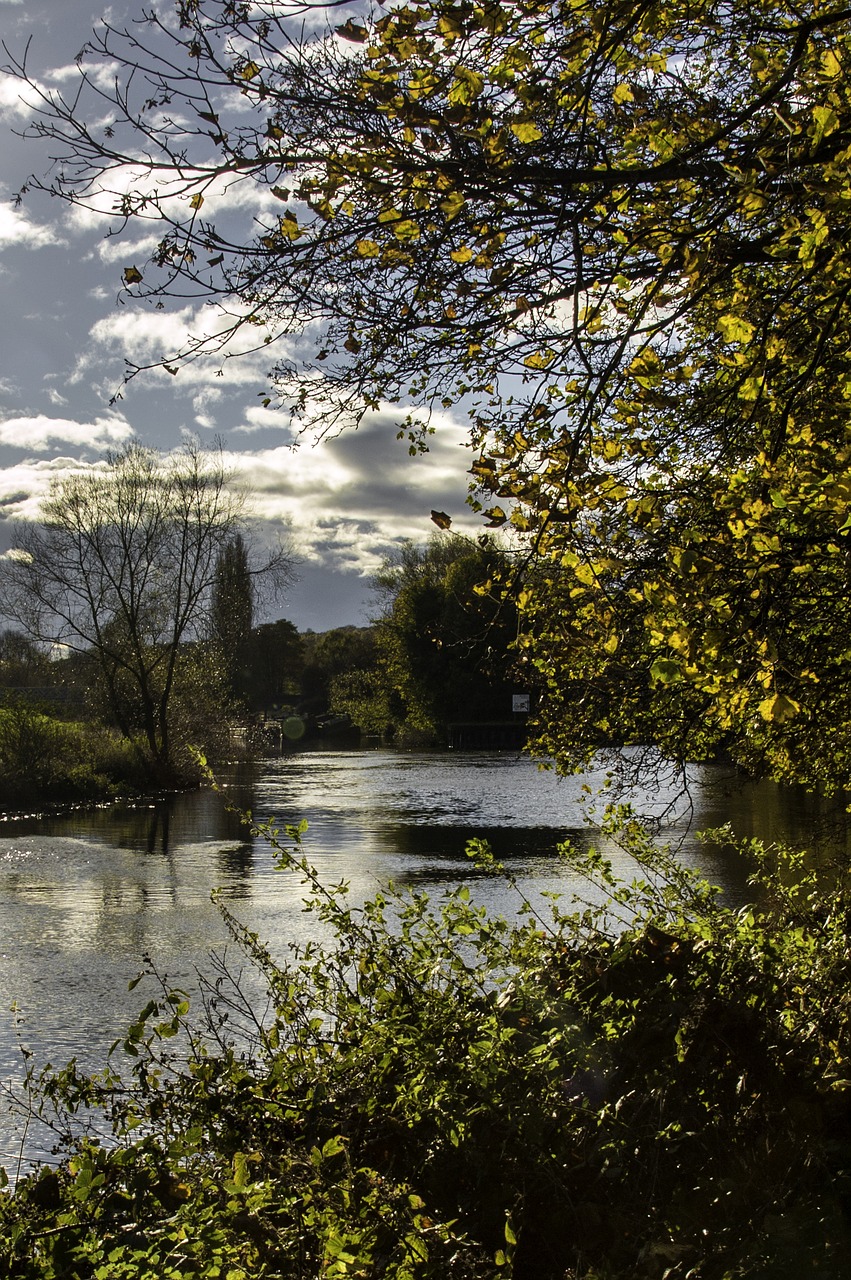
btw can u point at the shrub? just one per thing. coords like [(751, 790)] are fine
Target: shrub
[(657, 1086), (43, 758)]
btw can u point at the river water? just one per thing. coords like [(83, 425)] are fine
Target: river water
[(85, 895)]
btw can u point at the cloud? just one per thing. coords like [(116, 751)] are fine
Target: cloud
[(39, 433), (256, 418), (23, 486), (144, 337), (16, 97), (351, 499), (16, 230), (115, 249)]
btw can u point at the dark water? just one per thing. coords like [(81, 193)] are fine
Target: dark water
[(85, 895)]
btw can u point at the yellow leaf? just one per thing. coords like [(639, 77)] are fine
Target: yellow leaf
[(464, 254), (132, 275), (367, 248), (751, 388), (735, 329), (452, 205), (623, 93), (830, 65), (825, 120), (665, 671), (249, 71), (196, 201), (289, 226), (406, 230), (466, 86), (526, 131), (352, 31), (778, 708)]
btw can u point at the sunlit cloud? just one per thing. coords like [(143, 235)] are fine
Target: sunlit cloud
[(16, 97), (351, 499), (115, 249), (25, 485), (40, 433), (19, 232)]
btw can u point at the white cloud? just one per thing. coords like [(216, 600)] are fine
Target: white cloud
[(145, 337), (256, 418), (40, 433), (18, 231), (16, 97), (115, 249), (23, 486)]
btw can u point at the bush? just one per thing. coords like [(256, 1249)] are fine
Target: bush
[(655, 1087), (43, 758)]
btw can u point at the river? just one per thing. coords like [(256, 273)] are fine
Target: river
[(85, 895)]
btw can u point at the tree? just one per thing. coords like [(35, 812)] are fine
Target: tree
[(274, 661), (121, 568), (443, 641), (22, 663), (330, 656), (232, 607), (618, 235)]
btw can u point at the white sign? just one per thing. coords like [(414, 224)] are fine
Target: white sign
[(520, 702)]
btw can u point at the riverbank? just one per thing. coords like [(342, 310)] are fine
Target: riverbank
[(47, 761)]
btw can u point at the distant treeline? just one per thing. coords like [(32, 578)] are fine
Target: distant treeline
[(439, 651)]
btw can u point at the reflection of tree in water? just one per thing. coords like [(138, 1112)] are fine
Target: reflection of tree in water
[(163, 824)]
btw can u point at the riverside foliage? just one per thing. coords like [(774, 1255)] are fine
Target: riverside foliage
[(655, 1086)]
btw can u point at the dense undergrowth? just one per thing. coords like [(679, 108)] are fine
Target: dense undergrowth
[(47, 759), (655, 1087)]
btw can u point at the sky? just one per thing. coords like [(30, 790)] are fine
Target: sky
[(64, 339)]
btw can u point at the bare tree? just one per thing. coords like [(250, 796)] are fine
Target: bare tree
[(121, 567)]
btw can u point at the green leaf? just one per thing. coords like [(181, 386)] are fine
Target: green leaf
[(665, 671)]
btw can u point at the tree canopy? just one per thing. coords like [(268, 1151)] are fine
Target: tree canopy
[(442, 644), (616, 235)]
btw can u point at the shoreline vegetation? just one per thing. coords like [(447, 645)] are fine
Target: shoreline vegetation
[(658, 1087)]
